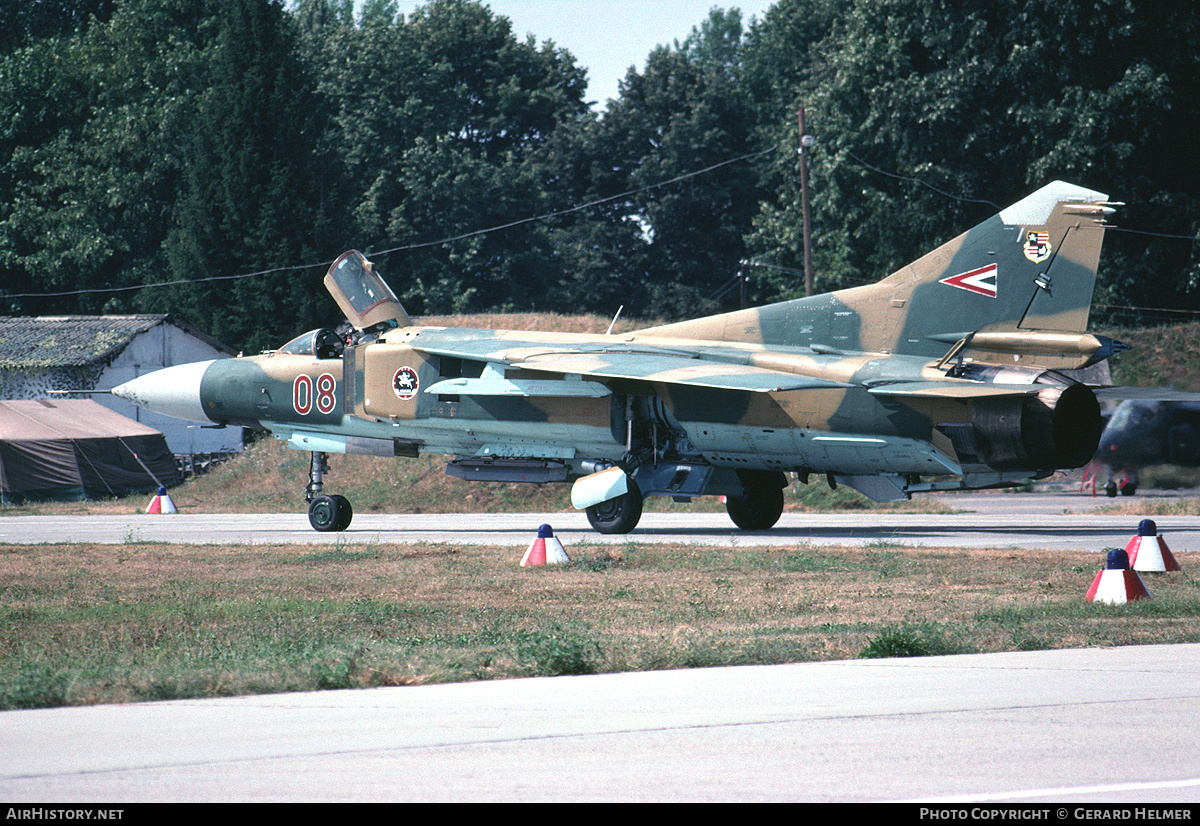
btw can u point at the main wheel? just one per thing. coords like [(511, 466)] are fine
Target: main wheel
[(760, 506), (617, 515), (345, 512), (325, 514)]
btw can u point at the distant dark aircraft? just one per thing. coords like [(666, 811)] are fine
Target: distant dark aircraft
[(1141, 433)]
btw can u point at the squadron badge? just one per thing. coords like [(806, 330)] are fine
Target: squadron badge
[(1037, 246), (405, 383)]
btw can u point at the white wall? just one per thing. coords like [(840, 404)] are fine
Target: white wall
[(166, 345)]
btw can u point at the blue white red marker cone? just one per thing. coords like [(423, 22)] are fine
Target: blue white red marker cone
[(162, 503), (545, 550), (1148, 551), (1117, 584)]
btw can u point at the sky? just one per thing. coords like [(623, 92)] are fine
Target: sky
[(608, 36)]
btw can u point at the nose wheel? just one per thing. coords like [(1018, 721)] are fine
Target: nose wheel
[(325, 513)]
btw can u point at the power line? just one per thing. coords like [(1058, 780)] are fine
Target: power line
[(1154, 234), (325, 264), (930, 186), (925, 184), (579, 208), (164, 283)]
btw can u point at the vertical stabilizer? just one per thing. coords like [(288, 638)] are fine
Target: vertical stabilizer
[(1027, 272), (1031, 268)]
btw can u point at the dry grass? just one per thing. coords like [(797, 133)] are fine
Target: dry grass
[(544, 322), (87, 623), (1161, 357), (270, 478)]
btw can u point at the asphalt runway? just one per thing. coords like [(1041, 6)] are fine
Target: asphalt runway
[(1051, 728), (1051, 521)]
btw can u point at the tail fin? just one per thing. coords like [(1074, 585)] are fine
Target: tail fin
[(1030, 268), (1017, 282)]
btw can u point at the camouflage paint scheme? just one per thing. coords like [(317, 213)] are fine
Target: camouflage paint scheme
[(940, 376)]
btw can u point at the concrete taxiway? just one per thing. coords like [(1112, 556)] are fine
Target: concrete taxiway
[(1054, 521), (1052, 727)]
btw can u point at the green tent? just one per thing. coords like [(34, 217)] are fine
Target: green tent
[(77, 449)]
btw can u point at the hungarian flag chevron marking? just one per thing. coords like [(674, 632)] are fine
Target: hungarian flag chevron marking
[(981, 281)]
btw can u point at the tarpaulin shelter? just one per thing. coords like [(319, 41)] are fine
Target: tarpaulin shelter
[(74, 449)]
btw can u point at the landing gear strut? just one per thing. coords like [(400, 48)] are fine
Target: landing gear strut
[(325, 513)]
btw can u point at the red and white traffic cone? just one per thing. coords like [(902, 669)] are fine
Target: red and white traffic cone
[(1148, 551), (545, 550), (161, 503), (1117, 584)]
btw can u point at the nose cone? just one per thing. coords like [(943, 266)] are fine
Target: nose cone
[(174, 391)]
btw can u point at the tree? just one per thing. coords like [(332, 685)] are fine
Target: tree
[(668, 249), (252, 181), (89, 156), (437, 119), (989, 101), (22, 23), (175, 141)]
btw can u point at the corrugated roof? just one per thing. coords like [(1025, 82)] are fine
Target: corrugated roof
[(74, 341)]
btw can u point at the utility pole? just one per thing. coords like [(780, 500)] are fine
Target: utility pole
[(806, 143)]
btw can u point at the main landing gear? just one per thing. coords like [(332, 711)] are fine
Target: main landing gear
[(761, 503), (325, 513), (757, 508), (619, 514)]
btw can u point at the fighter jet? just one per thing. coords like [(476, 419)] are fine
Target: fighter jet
[(1143, 432), (942, 376)]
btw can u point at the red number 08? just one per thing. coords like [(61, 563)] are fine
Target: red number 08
[(302, 394)]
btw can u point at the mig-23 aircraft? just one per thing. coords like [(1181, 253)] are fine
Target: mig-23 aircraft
[(1143, 432), (942, 376)]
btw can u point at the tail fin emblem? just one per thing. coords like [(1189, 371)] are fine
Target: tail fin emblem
[(1037, 246), (981, 281)]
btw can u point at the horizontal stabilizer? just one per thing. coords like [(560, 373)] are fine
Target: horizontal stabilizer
[(952, 389)]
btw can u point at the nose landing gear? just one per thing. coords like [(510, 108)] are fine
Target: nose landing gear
[(325, 513)]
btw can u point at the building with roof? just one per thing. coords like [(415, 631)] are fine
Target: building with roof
[(43, 356)]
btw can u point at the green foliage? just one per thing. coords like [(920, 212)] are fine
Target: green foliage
[(251, 181), (149, 141), (557, 651), (35, 686), (910, 641), (988, 101), (24, 22), (677, 244), (436, 119)]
